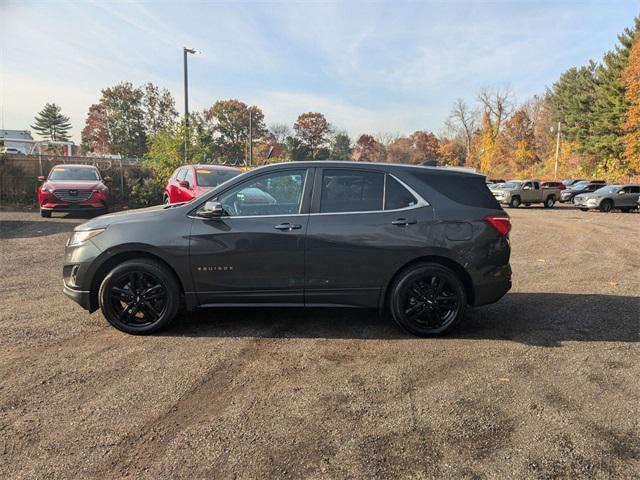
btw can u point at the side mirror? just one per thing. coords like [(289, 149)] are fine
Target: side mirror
[(108, 179), (184, 183), (210, 210), (621, 192), (41, 178), (526, 187)]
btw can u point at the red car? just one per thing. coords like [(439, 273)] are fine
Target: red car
[(191, 181), (71, 188)]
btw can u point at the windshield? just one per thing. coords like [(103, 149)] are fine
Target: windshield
[(609, 189), (74, 173), (213, 178), (511, 185), (579, 185)]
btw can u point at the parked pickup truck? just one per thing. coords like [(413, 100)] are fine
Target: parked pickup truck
[(516, 192)]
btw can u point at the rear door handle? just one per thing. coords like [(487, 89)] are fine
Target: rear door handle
[(288, 226), (403, 221)]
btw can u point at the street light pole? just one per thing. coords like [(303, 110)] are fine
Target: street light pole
[(185, 51)]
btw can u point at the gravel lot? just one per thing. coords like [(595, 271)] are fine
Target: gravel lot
[(543, 384)]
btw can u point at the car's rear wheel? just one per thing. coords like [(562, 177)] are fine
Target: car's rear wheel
[(606, 206), (45, 213), (139, 296), (428, 300), (515, 202), (549, 201), (584, 209), (166, 200)]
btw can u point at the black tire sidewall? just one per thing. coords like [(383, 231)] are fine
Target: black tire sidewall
[(408, 277), (515, 202), (143, 265), (45, 213), (608, 207)]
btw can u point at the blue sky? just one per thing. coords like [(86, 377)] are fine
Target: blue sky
[(369, 66)]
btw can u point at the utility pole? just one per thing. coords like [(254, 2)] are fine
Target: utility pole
[(250, 138), (555, 176)]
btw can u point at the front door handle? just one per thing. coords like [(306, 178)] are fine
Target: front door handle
[(288, 226), (403, 221)]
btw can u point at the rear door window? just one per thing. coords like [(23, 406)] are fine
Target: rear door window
[(397, 196), (351, 191)]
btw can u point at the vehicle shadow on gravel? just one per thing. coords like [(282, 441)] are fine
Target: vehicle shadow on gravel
[(30, 229), (542, 319)]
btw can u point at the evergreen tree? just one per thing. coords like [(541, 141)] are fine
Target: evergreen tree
[(50, 124), (631, 78), (572, 102), (340, 147), (611, 106)]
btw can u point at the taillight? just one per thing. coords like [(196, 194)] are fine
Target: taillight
[(501, 223)]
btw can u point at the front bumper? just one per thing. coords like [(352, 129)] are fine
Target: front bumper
[(73, 207), (81, 297)]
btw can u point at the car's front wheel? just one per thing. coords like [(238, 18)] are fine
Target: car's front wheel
[(515, 202), (45, 213), (428, 300), (139, 296)]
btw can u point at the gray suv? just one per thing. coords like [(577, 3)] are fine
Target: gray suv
[(420, 242), (624, 197)]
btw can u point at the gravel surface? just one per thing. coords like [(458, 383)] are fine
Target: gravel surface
[(543, 384)]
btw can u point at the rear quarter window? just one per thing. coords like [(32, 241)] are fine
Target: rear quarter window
[(464, 189)]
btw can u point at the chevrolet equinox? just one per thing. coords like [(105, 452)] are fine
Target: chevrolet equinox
[(420, 242)]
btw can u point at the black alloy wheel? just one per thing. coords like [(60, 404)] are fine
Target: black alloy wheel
[(428, 300), (139, 296), (606, 206)]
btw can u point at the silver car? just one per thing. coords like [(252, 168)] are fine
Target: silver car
[(624, 197)]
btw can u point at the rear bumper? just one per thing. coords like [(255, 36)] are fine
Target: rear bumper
[(493, 288), (81, 297)]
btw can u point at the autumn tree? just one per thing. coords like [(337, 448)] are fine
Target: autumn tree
[(51, 124), (425, 147), (631, 79), (368, 149), (228, 120), (95, 134), (313, 131), (451, 152), (516, 145), (159, 109), (400, 150), (497, 104)]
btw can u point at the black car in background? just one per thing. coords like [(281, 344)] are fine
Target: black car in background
[(421, 242), (583, 186)]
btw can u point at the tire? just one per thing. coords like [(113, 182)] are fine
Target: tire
[(165, 200), (549, 201), (584, 209), (128, 309), (606, 206), (45, 213), (515, 202), (433, 294)]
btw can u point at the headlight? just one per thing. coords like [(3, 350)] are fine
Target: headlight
[(78, 237), (592, 201)]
